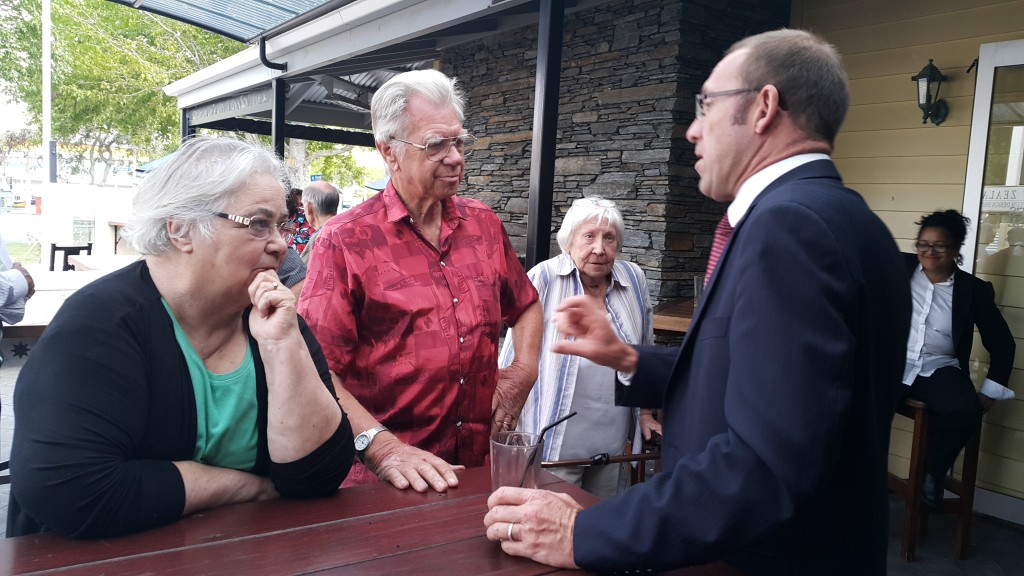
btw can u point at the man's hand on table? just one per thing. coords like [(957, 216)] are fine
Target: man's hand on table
[(404, 466), (542, 524)]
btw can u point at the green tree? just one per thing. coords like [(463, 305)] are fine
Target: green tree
[(15, 143), (334, 163), (110, 65)]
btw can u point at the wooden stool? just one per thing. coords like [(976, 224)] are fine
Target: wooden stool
[(68, 251), (915, 518)]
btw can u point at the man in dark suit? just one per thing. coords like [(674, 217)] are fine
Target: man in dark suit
[(778, 406)]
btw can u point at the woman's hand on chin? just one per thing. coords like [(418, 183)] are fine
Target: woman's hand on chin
[(273, 308)]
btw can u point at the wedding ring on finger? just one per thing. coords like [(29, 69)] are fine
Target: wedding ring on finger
[(273, 285), (510, 526)]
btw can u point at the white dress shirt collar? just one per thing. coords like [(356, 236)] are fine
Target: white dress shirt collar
[(753, 186)]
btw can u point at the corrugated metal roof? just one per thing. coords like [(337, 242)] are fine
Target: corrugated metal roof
[(242, 20)]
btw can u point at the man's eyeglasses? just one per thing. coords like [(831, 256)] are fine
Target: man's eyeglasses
[(260, 226), (923, 247), (702, 98), (437, 148)]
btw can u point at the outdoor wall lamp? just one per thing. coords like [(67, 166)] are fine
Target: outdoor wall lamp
[(929, 80)]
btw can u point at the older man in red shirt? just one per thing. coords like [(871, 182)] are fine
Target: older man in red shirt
[(407, 292)]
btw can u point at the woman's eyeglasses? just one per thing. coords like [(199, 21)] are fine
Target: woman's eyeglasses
[(923, 247), (260, 226), (437, 148)]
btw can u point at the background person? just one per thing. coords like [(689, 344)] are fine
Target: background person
[(176, 383), (320, 202), (297, 217), (407, 292), (590, 239), (779, 403), (948, 304), (16, 287), (292, 272)]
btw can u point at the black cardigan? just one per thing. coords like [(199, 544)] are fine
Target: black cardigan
[(105, 404)]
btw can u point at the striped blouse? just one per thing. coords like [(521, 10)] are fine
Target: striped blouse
[(629, 306)]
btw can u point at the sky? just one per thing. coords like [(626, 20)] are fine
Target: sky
[(12, 115)]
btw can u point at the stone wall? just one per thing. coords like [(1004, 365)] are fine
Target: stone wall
[(629, 72)]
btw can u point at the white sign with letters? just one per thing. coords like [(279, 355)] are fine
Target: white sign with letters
[(1002, 199)]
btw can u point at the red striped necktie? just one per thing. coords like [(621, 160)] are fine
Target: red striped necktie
[(722, 233)]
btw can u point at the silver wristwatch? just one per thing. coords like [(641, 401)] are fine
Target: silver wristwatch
[(363, 441)]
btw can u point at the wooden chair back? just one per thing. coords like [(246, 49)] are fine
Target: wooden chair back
[(67, 251)]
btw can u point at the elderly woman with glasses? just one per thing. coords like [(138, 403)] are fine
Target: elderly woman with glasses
[(186, 380), (948, 304), (590, 239)]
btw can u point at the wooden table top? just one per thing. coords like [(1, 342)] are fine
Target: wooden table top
[(373, 529), (673, 316)]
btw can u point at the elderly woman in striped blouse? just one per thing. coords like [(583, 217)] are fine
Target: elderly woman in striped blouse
[(590, 238)]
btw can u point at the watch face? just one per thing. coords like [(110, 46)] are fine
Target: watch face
[(362, 441)]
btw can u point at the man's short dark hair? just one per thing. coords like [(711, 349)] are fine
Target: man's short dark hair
[(808, 73)]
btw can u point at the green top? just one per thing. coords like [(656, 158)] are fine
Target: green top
[(226, 408)]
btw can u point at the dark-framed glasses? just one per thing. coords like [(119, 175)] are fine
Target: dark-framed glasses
[(260, 226), (701, 99), (922, 247), (437, 148)]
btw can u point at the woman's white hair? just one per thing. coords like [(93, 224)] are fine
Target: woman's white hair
[(388, 107), (584, 209), (199, 179)]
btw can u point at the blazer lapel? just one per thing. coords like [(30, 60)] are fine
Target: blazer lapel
[(963, 303), (814, 169)]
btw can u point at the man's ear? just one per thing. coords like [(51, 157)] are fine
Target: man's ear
[(182, 243), (388, 152), (767, 109)]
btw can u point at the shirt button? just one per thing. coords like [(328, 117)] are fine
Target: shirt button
[(462, 340), (462, 380), (455, 300), (459, 423), (442, 263)]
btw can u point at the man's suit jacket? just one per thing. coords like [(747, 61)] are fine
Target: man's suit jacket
[(974, 303), (778, 405)]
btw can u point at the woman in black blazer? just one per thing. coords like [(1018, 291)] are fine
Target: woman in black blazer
[(947, 304)]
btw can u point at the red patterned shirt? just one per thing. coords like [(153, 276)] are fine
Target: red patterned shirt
[(412, 331)]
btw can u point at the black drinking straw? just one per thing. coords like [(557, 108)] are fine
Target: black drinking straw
[(540, 440)]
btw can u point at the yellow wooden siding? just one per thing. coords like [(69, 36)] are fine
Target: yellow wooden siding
[(844, 15), (885, 31), (905, 169), (906, 197), (902, 142), (952, 55)]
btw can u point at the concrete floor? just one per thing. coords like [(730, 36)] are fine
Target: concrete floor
[(998, 547)]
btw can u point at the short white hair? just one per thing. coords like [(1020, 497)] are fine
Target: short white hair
[(585, 209), (199, 179), (323, 197), (388, 107)]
